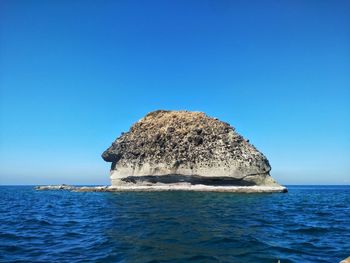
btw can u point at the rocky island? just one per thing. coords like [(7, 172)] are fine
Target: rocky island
[(184, 150)]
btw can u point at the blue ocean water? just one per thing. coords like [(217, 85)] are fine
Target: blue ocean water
[(307, 224)]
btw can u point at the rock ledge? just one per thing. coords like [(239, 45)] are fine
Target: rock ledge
[(161, 188)]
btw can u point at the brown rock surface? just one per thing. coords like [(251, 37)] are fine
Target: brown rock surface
[(170, 146)]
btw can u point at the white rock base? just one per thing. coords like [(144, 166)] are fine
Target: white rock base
[(169, 187)]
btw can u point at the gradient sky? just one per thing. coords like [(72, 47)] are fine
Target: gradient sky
[(75, 74)]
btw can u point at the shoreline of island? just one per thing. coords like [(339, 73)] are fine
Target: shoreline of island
[(165, 188)]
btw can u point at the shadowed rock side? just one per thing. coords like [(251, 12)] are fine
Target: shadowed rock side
[(169, 147)]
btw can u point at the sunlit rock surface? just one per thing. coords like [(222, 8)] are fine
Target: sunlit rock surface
[(183, 148)]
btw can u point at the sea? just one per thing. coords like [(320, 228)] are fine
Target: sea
[(307, 224)]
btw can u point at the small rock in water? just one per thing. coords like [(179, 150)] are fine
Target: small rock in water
[(55, 187), (347, 260)]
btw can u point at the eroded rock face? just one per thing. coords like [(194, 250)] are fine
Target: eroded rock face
[(189, 147)]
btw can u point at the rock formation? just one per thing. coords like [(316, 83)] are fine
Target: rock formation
[(186, 148)]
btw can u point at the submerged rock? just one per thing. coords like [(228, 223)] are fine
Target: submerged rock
[(183, 147), (55, 187)]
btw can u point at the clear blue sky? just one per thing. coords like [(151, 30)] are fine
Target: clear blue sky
[(75, 74)]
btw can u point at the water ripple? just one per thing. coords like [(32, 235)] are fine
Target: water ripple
[(309, 224)]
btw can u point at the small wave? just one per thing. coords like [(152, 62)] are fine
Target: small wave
[(202, 258), (312, 230)]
